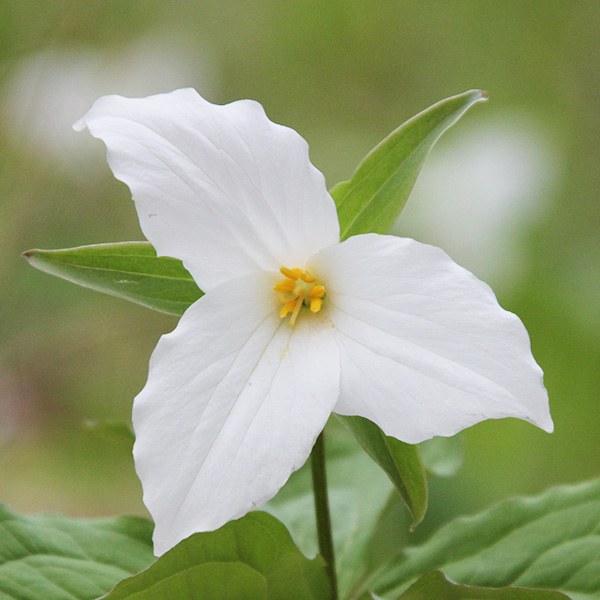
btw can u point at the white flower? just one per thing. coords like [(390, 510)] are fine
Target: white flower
[(294, 324)]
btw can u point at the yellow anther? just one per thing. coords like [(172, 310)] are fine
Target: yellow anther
[(285, 298), (287, 308), (315, 304), (287, 285), (307, 278), (291, 273), (299, 288), (317, 291)]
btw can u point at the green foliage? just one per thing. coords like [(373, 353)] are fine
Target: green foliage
[(435, 585), (357, 495), (128, 270), (442, 456), (550, 542), (252, 558), (56, 558), (401, 462), (371, 200)]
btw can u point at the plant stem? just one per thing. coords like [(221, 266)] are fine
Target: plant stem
[(319, 478)]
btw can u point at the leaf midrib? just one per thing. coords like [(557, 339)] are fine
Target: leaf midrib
[(384, 182), (109, 270), (492, 543)]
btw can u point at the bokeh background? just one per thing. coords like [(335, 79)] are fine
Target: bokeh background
[(511, 193)]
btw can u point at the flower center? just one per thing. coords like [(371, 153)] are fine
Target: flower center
[(298, 288)]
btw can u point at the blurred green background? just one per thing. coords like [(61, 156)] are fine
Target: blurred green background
[(511, 193)]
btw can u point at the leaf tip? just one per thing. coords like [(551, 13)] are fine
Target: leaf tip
[(417, 519), (480, 95), (30, 256), (33, 257)]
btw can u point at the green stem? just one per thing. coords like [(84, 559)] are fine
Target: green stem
[(319, 477)]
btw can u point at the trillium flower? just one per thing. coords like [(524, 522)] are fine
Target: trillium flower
[(293, 325)]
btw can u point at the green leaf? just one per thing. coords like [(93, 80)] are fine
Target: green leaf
[(371, 200), (248, 559), (128, 270), (549, 542), (214, 581), (57, 558), (442, 456), (435, 585), (400, 461)]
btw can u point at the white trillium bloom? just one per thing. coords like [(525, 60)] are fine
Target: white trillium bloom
[(293, 324)]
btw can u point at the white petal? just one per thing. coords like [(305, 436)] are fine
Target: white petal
[(234, 401), (425, 348), (220, 187)]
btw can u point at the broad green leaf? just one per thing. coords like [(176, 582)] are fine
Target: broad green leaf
[(435, 585), (442, 456), (248, 559), (57, 558), (550, 541), (400, 461), (371, 200), (128, 270), (212, 581)]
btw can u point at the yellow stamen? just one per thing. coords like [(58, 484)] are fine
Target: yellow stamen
[(299, 288), (287, 308), (287, 285), (291, 273), (317, 291), (285, 298)]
